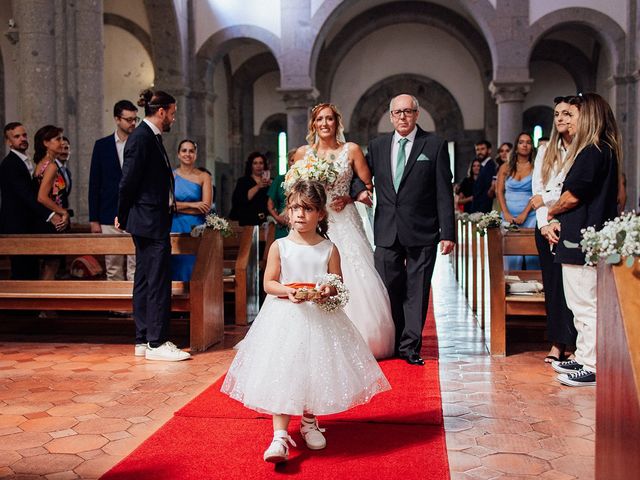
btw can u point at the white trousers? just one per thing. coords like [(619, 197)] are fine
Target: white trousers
[(115, 264), (580, 282)]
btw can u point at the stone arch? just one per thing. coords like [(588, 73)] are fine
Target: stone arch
[(223, 41), (581, 68), (433, 97), (133, 28), (612, 36), (332, 11)]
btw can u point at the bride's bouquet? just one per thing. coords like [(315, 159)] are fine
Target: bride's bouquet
[(310, 168)]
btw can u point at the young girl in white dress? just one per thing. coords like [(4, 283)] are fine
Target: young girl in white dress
[(299, 358)]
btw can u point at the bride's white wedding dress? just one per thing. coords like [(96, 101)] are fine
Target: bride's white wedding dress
[(368, 306)]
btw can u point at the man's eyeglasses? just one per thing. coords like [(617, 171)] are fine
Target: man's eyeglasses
[(407, 112), (135, 120)]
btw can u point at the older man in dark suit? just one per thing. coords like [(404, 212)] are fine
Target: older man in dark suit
[(145, 209), (414, 212), (20, 210)]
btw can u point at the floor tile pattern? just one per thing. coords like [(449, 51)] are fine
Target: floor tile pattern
[(73, 410)]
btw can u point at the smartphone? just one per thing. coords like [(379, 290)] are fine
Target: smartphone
[(266, 175)]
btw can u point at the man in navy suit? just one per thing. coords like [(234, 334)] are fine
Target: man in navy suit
[(482, 202), (20, 210), (104, 183), (145, 209)]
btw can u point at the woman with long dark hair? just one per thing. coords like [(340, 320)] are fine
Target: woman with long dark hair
[(249, 201)]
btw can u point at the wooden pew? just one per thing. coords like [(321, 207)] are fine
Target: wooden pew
[(201, 297), (618, 372), (244, 263), (519, 242)]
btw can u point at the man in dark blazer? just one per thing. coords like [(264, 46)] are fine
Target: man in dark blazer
[(414, 212), (104, 183), (145, 208), (20, 210)]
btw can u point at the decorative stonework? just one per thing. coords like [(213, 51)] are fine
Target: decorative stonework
[(505, 92)]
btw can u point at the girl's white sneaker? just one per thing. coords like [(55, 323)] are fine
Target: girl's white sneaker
[(278, 451)]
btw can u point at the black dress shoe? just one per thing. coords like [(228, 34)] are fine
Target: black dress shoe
[(414, 359)]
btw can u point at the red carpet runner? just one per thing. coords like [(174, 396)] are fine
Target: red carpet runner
[(399, 435)]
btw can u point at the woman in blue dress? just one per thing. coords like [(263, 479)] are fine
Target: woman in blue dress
[(194, 193), (514, 192)]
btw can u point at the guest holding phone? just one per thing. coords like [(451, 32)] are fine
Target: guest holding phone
[(249, 201)]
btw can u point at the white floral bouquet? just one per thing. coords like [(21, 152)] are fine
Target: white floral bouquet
[(488, 220), (618, 238), (310, 168), (213, 222), (340, 299)]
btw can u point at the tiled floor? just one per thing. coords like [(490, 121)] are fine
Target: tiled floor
[(73, 410)]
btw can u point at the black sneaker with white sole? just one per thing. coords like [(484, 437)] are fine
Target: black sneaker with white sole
[(567, 366), (581, 378)]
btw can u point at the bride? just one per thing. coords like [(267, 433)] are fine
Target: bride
[(368, 306)]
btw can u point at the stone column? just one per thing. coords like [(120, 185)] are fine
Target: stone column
[(84, 61), (298, 103), (510, 99), (36, 105)]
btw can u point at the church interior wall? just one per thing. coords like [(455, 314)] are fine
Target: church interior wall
[(266, 100), (549, 81), (9, 83), (456, 69), (128, 70)]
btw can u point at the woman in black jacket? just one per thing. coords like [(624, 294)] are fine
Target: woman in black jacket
[(249, 201)]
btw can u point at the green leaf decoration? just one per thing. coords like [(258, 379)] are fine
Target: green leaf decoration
[(620, 237), (630, 261), (614, 258)]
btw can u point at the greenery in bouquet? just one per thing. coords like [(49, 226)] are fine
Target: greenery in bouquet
[(310, 168), (618, 238), (214, 222)]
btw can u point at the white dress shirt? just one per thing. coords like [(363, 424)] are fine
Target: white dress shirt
[(407, 148), (156, 130), (27, 161), (120, 148), (550, 191)]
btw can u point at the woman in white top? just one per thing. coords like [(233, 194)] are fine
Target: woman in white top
[(548, 176)]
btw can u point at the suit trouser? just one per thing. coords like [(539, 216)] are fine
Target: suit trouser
[(115, 263), (580, 282), (152, 289), (406, 272)]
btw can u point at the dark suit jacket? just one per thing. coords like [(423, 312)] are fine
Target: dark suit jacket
[(104, 181), (147, 180), (421, 212), (20, 210), (481, 201)]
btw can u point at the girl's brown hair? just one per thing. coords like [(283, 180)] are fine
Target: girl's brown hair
[(310, 194)]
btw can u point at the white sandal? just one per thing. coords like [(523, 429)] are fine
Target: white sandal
[(278, 451)]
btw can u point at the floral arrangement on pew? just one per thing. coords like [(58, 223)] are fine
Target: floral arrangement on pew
[(308, 168), (491, 219), (618, 238), (214, 222)]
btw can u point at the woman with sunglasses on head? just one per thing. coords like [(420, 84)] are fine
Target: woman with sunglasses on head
[(504, 152), (588, 199), (548, 176)]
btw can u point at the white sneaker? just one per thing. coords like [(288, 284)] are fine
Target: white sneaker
[(278, 451), (167, 352), (313, 434), (140, 349)]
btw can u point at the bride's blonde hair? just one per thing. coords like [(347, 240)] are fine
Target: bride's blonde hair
[(312, 135)]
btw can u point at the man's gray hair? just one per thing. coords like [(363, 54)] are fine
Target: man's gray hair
[(416, 105)]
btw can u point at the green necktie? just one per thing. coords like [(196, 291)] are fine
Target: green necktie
[(400, 163)]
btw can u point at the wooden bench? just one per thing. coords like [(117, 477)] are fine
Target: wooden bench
[(244, 264), (202, 297), (502, 305)]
